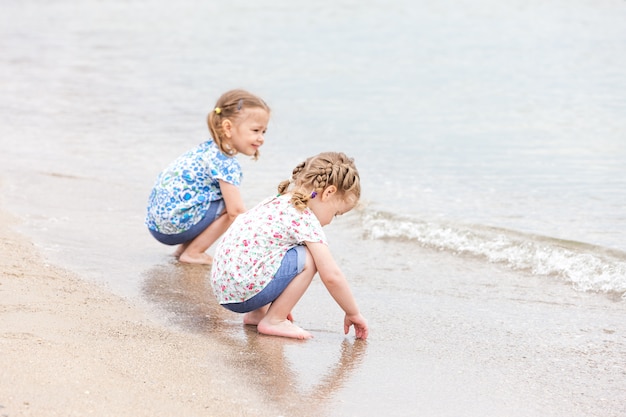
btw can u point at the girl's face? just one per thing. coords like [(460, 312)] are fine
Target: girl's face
[(331, 205), (246, 134)]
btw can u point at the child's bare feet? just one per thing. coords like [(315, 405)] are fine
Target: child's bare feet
[(201, 258), (180, 249), (284, 328), (254, 317)]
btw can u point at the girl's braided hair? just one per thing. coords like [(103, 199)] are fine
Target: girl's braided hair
[(230, 106), (319, 172)]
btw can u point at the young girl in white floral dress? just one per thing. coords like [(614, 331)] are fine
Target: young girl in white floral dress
[(196, 197), (267, 258)]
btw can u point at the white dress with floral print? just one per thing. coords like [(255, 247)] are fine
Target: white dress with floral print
[(251, 250)]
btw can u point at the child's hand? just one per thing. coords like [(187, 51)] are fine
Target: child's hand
[(360, 325)]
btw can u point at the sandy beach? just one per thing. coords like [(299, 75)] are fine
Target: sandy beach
[(70, 348)]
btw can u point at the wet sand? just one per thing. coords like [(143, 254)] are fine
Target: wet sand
[(68, 347), (71, 347), (470, 341)]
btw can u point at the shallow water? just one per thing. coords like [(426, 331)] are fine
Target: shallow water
[(462, 118), (448, 337), (488, 253)]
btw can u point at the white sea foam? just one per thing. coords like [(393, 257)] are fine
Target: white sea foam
[(586, 267)]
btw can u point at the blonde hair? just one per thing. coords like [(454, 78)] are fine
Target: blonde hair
[(319, 172), (230, 106)]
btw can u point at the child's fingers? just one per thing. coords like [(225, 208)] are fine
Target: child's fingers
[(360, 331)]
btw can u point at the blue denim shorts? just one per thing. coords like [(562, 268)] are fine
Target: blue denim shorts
[(291, 265), (215, 210)]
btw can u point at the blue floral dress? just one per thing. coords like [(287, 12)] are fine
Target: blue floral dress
[(184, 191)]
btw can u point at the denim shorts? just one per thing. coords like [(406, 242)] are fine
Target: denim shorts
[(215, 210), (291, 265)]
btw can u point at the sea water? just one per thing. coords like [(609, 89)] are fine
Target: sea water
[(490, 137), (494, 130)]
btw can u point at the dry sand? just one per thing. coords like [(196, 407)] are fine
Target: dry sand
[(70, 348)]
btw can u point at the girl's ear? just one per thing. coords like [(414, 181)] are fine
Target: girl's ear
[(328, 192), (227, 127)]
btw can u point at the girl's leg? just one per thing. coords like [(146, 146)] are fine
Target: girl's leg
[(255, 316), (194, 253), (276, 321), (180, 249)]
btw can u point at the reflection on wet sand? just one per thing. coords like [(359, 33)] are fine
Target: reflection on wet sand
[(183, 292)]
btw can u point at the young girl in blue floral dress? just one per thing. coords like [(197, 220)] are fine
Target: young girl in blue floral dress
[(266, 260), (196, 197)]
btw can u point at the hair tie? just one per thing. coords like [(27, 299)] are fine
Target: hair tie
[(217, 110), (313, 194)]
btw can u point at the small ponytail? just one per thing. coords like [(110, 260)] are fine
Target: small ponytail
[(229, 107)]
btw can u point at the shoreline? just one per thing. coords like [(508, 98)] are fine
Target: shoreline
[(69, 347)]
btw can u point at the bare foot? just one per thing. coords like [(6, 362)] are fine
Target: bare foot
[(253, 318), (284, 328), (202, 259), (180, 249)]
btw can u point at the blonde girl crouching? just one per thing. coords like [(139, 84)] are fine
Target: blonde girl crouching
[(270, 254), (196, 197)]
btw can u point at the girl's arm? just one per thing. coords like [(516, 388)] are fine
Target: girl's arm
[(232, 199), (338, 287)]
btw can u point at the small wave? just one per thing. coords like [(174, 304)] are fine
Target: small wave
[(586, 267)]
